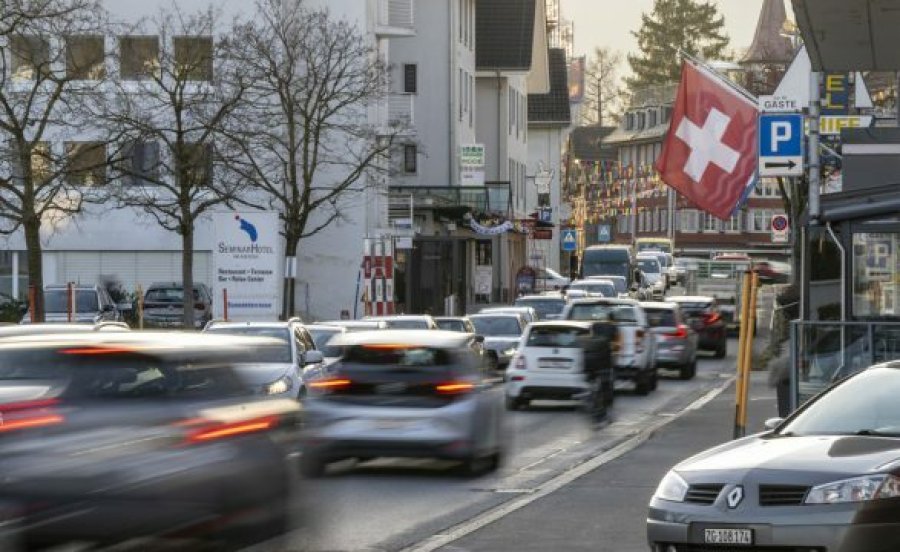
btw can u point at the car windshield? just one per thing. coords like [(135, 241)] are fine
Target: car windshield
[(451, 325), (648, 265), (264, 354), (602, 312), (554, 336), (865, 404), (321, 337), (619, 283), (57, 300), (694, 308), (168, 295), (497, 326), (606, 289), (595, 268), (660, 317), (544, 307)]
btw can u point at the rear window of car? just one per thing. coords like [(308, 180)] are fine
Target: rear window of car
[(57, 300), (605, 313), (168, 295), (555, 336), (398, 356), (660, 317), (544, 307), (605, 289), (619, 284), (497, 325), (451, 325), (695, 307)]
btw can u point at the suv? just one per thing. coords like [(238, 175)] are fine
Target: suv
[(90, 305), (702, 314), (163, 305), (634, 359), (281, 371)]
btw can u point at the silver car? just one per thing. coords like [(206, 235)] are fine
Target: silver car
[(400, 393), (676, 342), (502, 332), (825, 479)]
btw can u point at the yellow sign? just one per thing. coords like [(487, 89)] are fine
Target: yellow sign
[(832, 124)]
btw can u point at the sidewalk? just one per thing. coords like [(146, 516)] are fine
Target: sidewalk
[(605, 511)]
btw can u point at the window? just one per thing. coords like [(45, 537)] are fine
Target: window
[(875, 264), (41, 163), (465, 19), (653, 115), (760, 220), (140, 163), (511, 111), (667, 114), (410, 78), (710, 223), (85, 58), (629, 121), (663, 220), (193, 57), (641, 120), (140, 57), (198, 159), (462, 19), (85, 163), (30, 57), (689, 220), (410, 158), (471, 98), (459, 99), (733, 224)]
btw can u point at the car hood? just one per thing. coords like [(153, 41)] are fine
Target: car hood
[(263, 372), (844, 455), (500, 342)]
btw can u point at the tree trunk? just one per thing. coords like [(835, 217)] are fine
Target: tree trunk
[(187, 274), (32, 228), (290, 282)]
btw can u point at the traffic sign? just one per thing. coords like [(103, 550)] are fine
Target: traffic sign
[(569, 240), (779, 229), (604, 233), (781, 144), (779, 104)]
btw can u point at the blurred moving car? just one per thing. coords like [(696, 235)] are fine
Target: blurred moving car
[(321, 335), (90, 305), (501, 332), (676, 342), (557, 359), (528, 313), (282, 368), (406, 394), (635, 354), (593, 287), (356, 325), (15, 330), (825, 479), (405, 321), (666, 263), (548, 279), (548, 307), (773, 272), (454, 324), (620, 282), (108, 437), (164, 303), (702, 315), (648, 263)]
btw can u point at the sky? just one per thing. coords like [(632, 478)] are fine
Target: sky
[(610, 22)]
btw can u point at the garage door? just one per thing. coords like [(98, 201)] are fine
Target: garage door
[(129, 267)]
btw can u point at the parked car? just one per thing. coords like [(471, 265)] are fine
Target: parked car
[(702, 315), (675, 341), (530, 314), (548, 279), (556, 359), (773, 272), (827, 478), (408, 394), (548, 307), (90, 305), (592, 287), (501, 332), (283, 368), (117, 436), (649, 265), (455, 324), (406, 321), (163, 305), (635, 355)]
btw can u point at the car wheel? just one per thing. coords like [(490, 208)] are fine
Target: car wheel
[(688, 370), (475, 466), (654, 379), (516, 403), (642, 384), (722, 350)]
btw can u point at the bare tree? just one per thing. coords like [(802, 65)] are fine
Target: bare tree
[(603, 93), (50, 72), (173, 96), (303, 137)]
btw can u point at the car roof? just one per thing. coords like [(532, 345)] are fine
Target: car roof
[(593, 280), (326, 327), (495, 314), (659, 304), (17, 330), (605, 301), (272, 324), (690, 299), (449, 318), (397, 317), (511, 308), (541, 298), (352, 323), (421, 338), (604, 277), (156, 343), (582, 324)]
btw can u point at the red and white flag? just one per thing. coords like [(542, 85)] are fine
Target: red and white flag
[(709, 154)]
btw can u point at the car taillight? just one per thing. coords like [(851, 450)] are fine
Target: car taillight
[(329, 385), (680, 332), (29, 415), (455, 388), (205, 431), (712, 318)]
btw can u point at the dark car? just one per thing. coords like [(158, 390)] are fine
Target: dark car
[(107, 437), (826, 479), (702, 314), (163, 305)]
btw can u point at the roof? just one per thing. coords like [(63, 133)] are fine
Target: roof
[(499, 314), (567, 323), (659, 304), (270, 324), (325, 328), (504, 32), (422, 317), (604, 301), (588, 143), (18, 330), (553, 107), (769, 45), (416, 338), (156, 343), (689, 298)]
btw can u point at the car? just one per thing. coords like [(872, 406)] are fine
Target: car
[(620, 282), (826, 478), (454, 324), (356, 325), (554, 360), (501, 332), (530, 314), (101, 429), (163, 305), (402, 393), (702, 315), (548, 307), (592, 287), (15, 330), (676, 342), (773, 272), (684, 265), (666, 263), (89, 305), (635, 353), (406, 321), (321, 335), (649, 265), (283, 369), (548, 279)]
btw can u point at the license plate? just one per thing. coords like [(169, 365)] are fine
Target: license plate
[(728, 536), (390, 424), (555, 364)]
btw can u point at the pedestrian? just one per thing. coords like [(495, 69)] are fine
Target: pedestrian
[(788, 302)]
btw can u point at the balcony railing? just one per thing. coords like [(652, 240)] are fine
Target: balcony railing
[(395, 18), (492, 198)]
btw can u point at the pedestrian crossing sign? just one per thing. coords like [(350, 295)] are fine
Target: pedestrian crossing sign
[(569, 240)]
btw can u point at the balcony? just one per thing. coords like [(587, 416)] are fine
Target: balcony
[(494, 197), (394, 18), (400, 110)]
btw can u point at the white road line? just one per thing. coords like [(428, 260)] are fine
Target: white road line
[(470, 526)]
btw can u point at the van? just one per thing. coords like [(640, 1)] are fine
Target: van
[(615, 260), (654, 244)]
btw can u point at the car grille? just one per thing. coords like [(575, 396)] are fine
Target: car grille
[(719, 548), (704, 493), (782, 495)]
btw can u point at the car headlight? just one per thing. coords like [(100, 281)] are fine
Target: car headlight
[(282, 385), (672, 488), (510, 352), (857, 489)]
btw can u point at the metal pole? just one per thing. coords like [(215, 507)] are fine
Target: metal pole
[(140, 307), (814, 127), (748, 351), (742, 345), (70, 304), (633, 212), (225, 304)]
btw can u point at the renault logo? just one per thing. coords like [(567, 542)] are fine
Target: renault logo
[(735, 497)]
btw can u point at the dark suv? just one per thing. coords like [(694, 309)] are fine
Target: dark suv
[(163, 305)]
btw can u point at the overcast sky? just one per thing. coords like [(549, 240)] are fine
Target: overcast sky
[(610, 22)]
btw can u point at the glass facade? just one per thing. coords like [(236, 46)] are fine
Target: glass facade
[(876, 273)]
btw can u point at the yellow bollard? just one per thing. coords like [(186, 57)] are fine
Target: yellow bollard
[(748, 351), (742, 346)]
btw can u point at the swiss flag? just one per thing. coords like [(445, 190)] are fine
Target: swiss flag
[(709, 154)]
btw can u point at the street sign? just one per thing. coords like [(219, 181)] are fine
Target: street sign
[(779, 229), (779, 104), (832, 124), (781, 145), (569, 240), (604, 233)]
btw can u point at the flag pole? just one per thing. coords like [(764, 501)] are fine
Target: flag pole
[(703, 65)]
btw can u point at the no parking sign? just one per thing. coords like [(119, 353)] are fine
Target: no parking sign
[(780, 228)]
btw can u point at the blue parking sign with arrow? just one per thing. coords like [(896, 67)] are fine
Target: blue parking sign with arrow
[(569, 240), (781, 144)]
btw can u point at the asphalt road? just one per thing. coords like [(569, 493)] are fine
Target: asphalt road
[(386, 505)]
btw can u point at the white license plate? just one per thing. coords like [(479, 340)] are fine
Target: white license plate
[(556, 364), (392, 425), (728, 536)]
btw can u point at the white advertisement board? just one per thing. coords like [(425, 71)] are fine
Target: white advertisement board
[(246, 257)]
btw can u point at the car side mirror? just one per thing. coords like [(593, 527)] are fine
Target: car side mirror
[(313, 357), (109, 307), (772, 423), (479, 338)]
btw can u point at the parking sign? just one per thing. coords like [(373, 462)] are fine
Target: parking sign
[(780, 144)]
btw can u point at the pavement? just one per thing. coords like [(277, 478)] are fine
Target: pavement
[(605, 509)]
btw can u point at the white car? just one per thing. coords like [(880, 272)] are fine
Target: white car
[(653, 272), (593, 287), (548, 279)]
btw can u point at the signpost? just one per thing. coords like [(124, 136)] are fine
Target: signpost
[(779, 229), (604, 233), (780, 144), (569, 240), (471, 165)]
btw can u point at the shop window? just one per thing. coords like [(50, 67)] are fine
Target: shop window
[(876, 271)]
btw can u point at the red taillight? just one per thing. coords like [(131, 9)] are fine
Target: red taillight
[(712, 318), (680, 332), (329, 384), (212, 431), (97, 350), (29, 415), (455, 388)]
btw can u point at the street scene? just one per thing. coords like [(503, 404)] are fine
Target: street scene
[(449, 275)]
